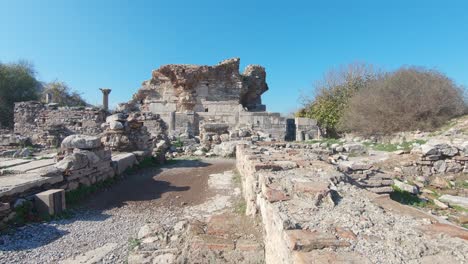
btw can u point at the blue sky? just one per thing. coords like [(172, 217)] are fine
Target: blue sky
[(116, 44)]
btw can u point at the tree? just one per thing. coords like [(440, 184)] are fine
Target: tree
[(62, 94), (333, 92), (408, 99), (17, 83)]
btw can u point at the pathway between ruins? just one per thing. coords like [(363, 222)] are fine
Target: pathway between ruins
[(106, 226)]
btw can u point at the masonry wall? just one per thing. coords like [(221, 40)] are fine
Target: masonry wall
[(271, 123), (48, 124)]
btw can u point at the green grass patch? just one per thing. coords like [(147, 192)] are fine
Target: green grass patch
[(328, 141), (389, 147), (459, 208), (237, 178), (405, 197), (178, 143), (24, 214), (82, 192), (241, 207), (133, 243)]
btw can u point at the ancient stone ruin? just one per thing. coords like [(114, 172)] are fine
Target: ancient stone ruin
[(287, 197), (188, 96)]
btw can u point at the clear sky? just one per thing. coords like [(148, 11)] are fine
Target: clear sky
[(116, 44)]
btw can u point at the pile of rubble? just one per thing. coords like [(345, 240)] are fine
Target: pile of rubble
[(84, 161), (439, 158), (129, 133), (13, 145), (367, 176), (216, 140)]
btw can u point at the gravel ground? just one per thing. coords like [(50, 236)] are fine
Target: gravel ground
[(58, 240), (115, 215)]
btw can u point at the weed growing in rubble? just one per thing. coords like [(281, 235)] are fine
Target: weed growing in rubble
[(405, 197), (241, 207), (236, 179), (178, 143), (389, 147), (133, 243), (459, 208), (328, 141), (82, 192)]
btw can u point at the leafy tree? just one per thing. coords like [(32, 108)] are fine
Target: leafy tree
[(17, 83), (332, 94), (62, 94)]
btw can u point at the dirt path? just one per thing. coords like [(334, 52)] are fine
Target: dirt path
[(111, 218)]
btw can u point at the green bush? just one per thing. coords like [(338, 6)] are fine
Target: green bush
[(17, 83), (332, 95)]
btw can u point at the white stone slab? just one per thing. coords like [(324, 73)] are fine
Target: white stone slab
[(11, 184), (123, 161), (8, 162), (32, 165)]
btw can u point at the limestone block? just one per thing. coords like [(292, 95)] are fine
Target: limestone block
[(355, 148), (406, 187), (123, 161), (455, 200), (81, 142), (225, 149), (306, 240), (50, 202), (116, 125)]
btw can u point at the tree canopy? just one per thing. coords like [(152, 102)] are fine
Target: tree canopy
[(17, 83)]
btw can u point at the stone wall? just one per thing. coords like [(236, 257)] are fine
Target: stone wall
[(438, 158), (185, 96), (49, 124), (82, 161), (306, 129)]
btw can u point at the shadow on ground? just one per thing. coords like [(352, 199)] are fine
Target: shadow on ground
[(181, 183)]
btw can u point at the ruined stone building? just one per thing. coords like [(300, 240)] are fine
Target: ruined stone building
[(188, 96)]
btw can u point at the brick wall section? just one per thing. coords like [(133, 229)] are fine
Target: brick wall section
[(48, 125)]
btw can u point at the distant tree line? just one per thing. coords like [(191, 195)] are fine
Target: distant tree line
[(361, 99), (18, 83)]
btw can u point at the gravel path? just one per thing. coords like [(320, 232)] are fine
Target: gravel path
[(115, 215)]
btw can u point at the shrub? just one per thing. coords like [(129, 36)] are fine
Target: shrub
[(332, 94), (62, 94), (406, 100)]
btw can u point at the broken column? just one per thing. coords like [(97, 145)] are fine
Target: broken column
[(172, 121), (48, 98), (105, 98)]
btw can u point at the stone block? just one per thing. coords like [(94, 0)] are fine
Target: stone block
[(329, 257), (248, 245), (274, 195), (212, 243), (312, 188), (81, 142), (455, 200), (50, 202), (123, 161), (306, 240)]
